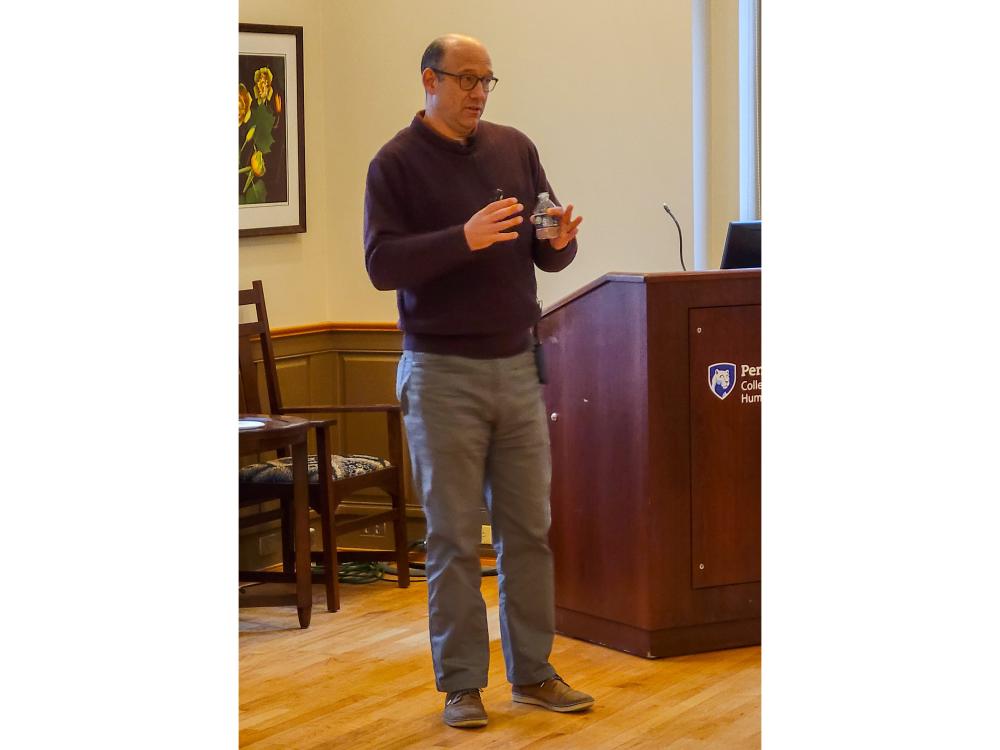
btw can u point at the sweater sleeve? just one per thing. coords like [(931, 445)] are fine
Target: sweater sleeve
[(542, 252), (395, 257)]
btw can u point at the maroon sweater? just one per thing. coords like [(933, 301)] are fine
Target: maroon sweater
[(421, 190)]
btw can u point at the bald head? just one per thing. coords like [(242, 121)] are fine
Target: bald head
[(450, 63), (435, 53)]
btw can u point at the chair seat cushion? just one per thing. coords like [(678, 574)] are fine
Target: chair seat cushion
[(279, 471)]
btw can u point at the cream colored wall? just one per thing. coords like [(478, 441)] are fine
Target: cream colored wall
[(295, 267), (603, 89)]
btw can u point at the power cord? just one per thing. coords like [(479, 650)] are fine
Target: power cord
[(391, 573), (359, 573)]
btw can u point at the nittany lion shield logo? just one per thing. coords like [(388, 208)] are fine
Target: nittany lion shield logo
[(722, 378)]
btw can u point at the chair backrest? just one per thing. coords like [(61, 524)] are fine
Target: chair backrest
[(248, 368)]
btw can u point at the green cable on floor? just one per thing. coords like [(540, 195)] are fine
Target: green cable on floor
[(370, 572), (359, 573)]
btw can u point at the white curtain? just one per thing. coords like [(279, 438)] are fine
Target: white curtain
[(749, 110)]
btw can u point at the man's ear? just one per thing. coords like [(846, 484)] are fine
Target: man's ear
[(430, 81)]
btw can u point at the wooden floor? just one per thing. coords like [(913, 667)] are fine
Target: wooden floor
[(361, 678)]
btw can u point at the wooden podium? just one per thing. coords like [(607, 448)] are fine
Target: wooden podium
[(654, 407)]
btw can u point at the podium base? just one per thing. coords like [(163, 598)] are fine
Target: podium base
[(655, 644)]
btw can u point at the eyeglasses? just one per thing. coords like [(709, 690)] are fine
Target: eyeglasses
[(467, 81)]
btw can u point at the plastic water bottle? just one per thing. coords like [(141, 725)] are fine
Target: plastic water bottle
[(546, 227)]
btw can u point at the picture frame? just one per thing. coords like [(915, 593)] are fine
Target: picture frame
[(272, 164)]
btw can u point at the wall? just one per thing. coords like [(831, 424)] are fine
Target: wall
[(294, 267), (603, 89)]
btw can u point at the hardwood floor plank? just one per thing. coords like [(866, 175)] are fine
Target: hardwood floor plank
[(362, 678)]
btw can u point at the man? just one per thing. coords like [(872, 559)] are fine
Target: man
[(462, 259)]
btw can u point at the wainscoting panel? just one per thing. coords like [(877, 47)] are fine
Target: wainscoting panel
[(367, 379), (338, 364), (293, 375)]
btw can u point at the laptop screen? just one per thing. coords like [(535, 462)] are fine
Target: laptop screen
[(742, 248)]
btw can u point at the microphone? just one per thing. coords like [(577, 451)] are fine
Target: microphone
[(679, 235)]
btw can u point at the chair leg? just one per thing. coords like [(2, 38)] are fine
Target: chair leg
[(394, 427), (287, 536), (327, 506), (331, 567), (305, 615), (401, 542)]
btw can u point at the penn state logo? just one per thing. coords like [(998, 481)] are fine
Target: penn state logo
[(722, 378)]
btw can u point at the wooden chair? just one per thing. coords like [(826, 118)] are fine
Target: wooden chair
[(330, 479)]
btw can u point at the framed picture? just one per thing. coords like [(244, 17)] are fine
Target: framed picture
[(272, 147)]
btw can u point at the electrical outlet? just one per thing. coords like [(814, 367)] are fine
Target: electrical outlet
[(376, 530), (487, 535)]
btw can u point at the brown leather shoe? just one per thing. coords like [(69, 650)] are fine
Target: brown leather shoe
[(553, 694), (464, 708)]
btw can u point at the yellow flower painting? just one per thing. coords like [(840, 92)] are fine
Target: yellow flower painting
[(263, 171), (262, 85), (245, 102)]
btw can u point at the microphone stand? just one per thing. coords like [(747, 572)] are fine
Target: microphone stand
[(679, 235)]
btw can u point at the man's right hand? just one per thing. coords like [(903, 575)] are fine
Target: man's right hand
[(488, 224)]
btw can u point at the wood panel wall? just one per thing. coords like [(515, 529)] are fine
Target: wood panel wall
[(338, 364)]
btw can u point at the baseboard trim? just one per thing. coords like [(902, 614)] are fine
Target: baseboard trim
[(655, 644), (329, 326)]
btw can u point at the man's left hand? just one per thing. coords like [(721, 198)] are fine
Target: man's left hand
[(567, 225)]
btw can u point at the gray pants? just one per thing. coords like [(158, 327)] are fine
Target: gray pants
[(477, 431)]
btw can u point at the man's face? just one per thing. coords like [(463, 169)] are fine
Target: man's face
[(458, 111)]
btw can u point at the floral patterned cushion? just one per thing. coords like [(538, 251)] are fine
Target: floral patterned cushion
[(279, 471)]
